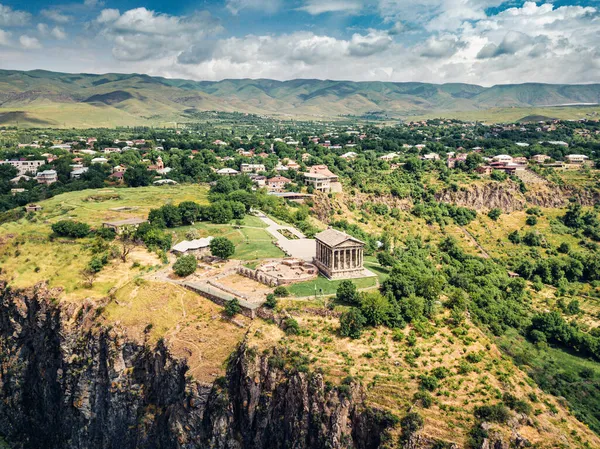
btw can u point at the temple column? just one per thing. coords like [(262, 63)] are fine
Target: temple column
[(353, 257)]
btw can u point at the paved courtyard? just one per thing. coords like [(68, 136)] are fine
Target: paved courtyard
[(301, 248)]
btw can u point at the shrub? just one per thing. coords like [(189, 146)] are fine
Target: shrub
[(70, 228), (428, 383), (106, 233), (492, 413), (411, 424), (281, 291), (291, 326), (425, 398), (531, 220), (222, 247), (185, 265), (271, 301), (495, 213), (232, 308)]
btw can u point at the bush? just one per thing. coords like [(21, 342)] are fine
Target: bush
[(352, 323), (185, 265), (411, 424), (70, 228), (281, 291), (428, 383), (492, 413), (531, 220), (425, 398), (106, 233), (232, 308), (271, 301), (291, 326), (494, 213), (222, 247)]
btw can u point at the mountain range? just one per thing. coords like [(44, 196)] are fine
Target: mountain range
[(55, 99)]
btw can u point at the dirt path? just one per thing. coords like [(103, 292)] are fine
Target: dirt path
[(483, 252)]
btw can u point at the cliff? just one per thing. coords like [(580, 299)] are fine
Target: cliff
[(67, 381)]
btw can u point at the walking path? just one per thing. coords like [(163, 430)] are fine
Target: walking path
[(301, 248)]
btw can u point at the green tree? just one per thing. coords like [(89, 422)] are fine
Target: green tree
[(232, 308), (347, 293), (352, 323), (185, 265), (495, 213), (138, 176), (222, 247), (374, 307)]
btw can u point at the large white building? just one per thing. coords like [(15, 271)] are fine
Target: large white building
[(25, 167)]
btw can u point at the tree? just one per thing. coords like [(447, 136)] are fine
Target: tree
[(374, 307), (222, 247), (127, 243), (232, 308), (531, 220), (89, 276), (352, 323), (138, 176), (189, 212), (347, 294), (185, 265), (70, 228), (495, 213), (385, 259), (410, 424)]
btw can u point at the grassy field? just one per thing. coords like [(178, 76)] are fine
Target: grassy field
[(323, 286), (28, 256)]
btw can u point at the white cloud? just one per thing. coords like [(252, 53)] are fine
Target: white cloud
[(140, 34), (316, 7), (55, 15), (370, 44), (12, 18), (4, 38), (29, 43), (93, 3), (265, 6), (57, 32), (108, 15)]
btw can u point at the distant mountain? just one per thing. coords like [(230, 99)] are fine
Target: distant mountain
[(60, 98)]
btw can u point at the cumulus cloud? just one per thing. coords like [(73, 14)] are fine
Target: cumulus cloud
[(266, 6), (4, 38), (140, 34), (316, 7), (55, 15), (29, 43), (13, 18), (441, 47), (56, 32)]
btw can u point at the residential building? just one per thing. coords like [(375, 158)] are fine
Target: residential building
[(77, 172), (227, 172), (503, 158), (47, 177), (576, 158), (23, 167), (277, 183), (388, 157), (252, 168), (540, 158), (99, 160)]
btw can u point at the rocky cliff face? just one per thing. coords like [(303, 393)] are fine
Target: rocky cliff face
[(509, 198), (68, 382)]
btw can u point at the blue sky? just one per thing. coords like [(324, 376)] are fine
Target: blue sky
[(475, 41)]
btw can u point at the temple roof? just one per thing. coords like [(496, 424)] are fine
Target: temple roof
[(332, 237)]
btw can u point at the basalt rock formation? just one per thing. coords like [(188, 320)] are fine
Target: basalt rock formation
[(67, 381)]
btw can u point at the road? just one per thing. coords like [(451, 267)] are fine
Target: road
[(301, 248)]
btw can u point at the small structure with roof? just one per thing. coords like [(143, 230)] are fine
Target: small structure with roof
[(121, 225), (33, 208), (339, 255), (197, 247)]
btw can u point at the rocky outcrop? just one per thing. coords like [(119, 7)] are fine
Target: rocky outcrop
[(68, 382), (508, 196)]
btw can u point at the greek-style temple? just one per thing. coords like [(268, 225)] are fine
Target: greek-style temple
[(339, 255)]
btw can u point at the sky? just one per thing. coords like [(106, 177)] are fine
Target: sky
[(481, 42)]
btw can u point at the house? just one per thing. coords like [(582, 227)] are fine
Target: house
[(540, 158), (23, 167), (77, 172), (349, 155), (13, 192), (33, 208), (119, 169), (318, 181), (227, 172), (277, 183), (522, 144), (484, 170), (503, 158), (324, 170), (520, 160), (305, 157), (259, 180), (117, 176), (99, 160), (47, 177), (559, 143), (162, 182), (454, 159), (292, 165), (112, 150), (121, 225), (252, 168), (281, 167), (388, 157), (197, 247), (431, 157), (19, 178), (576, 158)]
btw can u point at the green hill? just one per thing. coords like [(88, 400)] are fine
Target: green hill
[(61, 99)]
